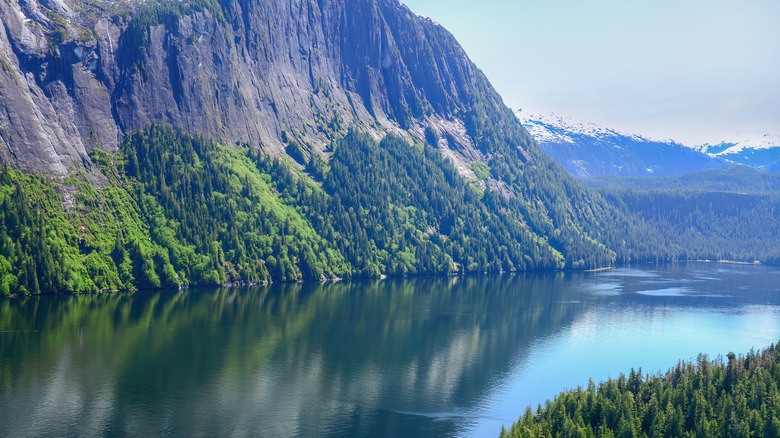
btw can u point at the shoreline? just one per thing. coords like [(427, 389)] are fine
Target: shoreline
[(385, 277)]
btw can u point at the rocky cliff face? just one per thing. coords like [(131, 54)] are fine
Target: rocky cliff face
[(283, 76), (55, 105), (78, 74)]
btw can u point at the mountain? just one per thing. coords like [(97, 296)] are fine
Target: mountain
[(202, 142), (760, 152), (586, 149), (80, 74), (173, 143), (694, 205)]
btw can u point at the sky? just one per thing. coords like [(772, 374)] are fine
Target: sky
[(694, 71)]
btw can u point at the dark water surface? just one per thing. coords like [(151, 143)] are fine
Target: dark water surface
[(405, 357)]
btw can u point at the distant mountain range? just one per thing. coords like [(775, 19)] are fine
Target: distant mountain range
[(762, 152), (586, 149)]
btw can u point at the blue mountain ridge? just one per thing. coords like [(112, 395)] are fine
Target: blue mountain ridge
[(590, 150)]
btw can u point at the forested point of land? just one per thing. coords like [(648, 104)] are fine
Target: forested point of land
[(735, 397)]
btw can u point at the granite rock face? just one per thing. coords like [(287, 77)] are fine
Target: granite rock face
[(78, 74)]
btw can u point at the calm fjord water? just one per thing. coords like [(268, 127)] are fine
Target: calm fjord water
[(403, 357)]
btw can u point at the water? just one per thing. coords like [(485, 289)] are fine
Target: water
[(406, 357)]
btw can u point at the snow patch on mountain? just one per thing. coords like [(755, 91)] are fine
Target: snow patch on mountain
[(588, 149), (548, 126), (554, 127), (739, 144)]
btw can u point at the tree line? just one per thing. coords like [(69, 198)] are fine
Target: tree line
[(737, 397), (181, 210)]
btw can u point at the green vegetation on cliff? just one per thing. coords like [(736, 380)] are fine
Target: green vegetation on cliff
[(739, 397), (395, 209), (176, 210), (71, 236), (218, 215)]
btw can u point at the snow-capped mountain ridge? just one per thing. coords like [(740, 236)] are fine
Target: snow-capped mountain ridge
[(588, 149), (550, 126), (546, 125), (740, 143)]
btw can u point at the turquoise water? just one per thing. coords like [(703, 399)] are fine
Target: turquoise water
[(444, 356)]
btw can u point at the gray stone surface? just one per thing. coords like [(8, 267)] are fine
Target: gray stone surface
[(252, 71)]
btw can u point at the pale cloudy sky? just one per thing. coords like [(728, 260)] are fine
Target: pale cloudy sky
[(691, 70)]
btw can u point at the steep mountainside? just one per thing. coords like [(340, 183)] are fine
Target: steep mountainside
[(203, 142), (79, 74), (592, 150)]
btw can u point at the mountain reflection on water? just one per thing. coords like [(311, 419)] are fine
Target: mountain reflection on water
[(419, 356)]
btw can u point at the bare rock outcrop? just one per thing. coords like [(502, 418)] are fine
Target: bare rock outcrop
[(78, 74)]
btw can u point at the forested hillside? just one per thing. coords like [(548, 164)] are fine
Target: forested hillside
[(708, 225), (736, 397), (242, 141), (714, 214), (179, 210), (734, 179)]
